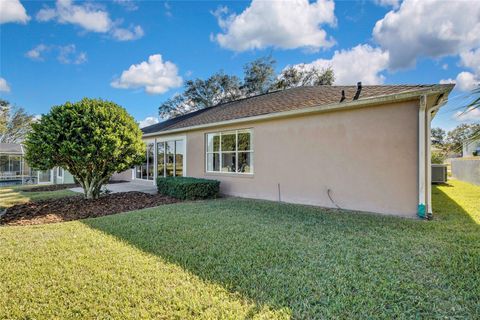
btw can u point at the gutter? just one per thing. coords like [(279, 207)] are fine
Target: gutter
[(422, 198), (425, 116), (312, 110)]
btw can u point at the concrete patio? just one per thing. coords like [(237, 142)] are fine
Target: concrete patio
[(146, 187)]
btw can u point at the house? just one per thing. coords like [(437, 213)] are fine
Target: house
[(471, 148), (15, 170), (364, 148)]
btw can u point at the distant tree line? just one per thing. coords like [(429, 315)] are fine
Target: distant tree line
[(15, 123), (259, 77), (451, 143)]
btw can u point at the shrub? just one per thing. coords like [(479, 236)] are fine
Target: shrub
[(438, 157), (188, 188), (92, 139)]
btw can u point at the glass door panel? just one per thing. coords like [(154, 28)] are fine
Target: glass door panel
[(161, 159), (170, 159), (45, 176), (179, 154), (150, 161)]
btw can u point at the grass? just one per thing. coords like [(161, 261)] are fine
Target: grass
[(10, 196), (236, 258)]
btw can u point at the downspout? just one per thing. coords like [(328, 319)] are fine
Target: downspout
[(430, 114), (422, 199), (424, 156)]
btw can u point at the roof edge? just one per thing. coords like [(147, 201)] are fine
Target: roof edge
[(408, 95)]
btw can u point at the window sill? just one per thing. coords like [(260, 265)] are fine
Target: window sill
[(230, 174)]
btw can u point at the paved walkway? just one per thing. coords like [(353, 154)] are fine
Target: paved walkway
[(146, 187)]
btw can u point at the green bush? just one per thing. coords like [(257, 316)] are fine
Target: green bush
[(188, 188), (438, 157)]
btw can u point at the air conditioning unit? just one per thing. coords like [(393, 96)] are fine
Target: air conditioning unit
[(439, 173)]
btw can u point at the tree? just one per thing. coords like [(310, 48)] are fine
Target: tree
[(438, 136), (462, 133), (219, 88), (302, 75), (92, 139), (475, 103), (200, 94), (174, 107), (15, 123), (259, 76)]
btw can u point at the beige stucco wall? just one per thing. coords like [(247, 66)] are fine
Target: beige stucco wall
[(367, 158)]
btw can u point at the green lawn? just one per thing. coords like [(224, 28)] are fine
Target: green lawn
[(10, 196), (235, 258)]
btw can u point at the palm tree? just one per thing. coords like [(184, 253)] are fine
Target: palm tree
[(475, 103)]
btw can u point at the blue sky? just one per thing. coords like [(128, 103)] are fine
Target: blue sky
[(138, 54)]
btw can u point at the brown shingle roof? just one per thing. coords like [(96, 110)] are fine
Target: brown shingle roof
[(278, 101)]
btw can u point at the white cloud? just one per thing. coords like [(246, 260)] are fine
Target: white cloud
[(13, 11), (361, 63), (66, 54), (467, 81), (155, 75), (471, 59), (428, 28), (90, 17), (388, 3), (281, 24), (168, 9), (447, 81), (87, 15), (37, 52), (129, 5), (133, 33), (4, 87), (148, 121), (469, 115)]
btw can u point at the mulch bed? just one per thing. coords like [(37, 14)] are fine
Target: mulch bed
[(76, 207), (51, 187), (55, 187)]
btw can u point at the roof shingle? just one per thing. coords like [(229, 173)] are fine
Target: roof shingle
[(278, 101)]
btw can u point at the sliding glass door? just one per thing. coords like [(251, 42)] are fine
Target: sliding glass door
[(170, 157), (146, 170), (167, 157)]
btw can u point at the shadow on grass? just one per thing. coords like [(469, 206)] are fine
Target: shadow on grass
[(314, 262)]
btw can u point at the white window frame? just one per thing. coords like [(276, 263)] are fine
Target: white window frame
[(147, 142), (155, 141), (220, 152), (60, 176)]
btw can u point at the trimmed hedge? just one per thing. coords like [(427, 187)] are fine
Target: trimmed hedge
[(187, 188)]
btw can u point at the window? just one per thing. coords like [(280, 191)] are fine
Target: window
[(230, 151), (60, 172), (161, 159), (145, 171), (170, 156), (179, 152), (150, 161)]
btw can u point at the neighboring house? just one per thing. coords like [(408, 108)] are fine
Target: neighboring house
[(360, 148), (470, 148), (15, 170)]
